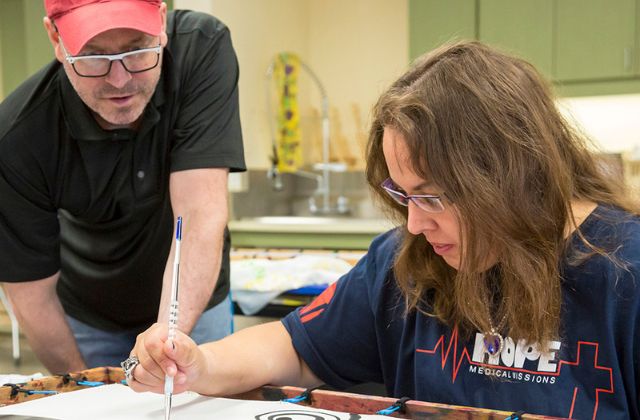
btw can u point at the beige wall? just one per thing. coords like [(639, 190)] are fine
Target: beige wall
[(356, 48)]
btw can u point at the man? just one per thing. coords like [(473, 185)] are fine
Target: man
[(136, 122)]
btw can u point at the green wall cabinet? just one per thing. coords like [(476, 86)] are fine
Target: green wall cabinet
[(25, 46), (595, 39), (522, 27), (12, 47), (434, 22), (587, 47)]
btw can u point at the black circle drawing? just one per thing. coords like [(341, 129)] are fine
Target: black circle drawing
[(296, 415)]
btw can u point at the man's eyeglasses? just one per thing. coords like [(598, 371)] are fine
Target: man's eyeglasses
[(427, 202), (99, 65)]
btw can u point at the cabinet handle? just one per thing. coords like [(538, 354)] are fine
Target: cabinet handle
[(628, 55)]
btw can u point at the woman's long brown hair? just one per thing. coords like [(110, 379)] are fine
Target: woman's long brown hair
[(484, 127)]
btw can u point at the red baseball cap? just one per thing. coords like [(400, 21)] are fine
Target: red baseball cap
[(80, 20)]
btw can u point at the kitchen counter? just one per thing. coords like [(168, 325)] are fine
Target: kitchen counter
[(306, 232)]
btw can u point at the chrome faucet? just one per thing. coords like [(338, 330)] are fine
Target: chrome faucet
[(323, 187)]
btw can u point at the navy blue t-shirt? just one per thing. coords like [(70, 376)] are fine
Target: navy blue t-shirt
[(357, 331)]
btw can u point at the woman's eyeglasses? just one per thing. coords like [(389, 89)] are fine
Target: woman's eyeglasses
[(427, 202)]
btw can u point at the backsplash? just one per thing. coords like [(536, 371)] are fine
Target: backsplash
[(610, 121), (261, 198)]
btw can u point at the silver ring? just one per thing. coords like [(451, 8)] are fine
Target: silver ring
[(128, 366)]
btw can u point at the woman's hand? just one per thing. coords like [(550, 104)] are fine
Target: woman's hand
[(256, 356), (158, 357)]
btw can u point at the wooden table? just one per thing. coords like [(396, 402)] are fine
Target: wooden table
[(324, 399)]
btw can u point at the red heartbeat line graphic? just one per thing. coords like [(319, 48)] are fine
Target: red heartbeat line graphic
[(457, 360), (444, 355)]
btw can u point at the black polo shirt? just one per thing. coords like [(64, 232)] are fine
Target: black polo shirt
[(95, 204)]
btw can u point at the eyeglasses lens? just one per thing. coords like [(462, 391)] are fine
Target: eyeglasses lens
[(134, 63), (428, 204)]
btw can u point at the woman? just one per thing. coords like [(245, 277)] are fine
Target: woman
[(511, 282)]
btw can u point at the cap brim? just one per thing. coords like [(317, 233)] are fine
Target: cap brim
[(79, 26)]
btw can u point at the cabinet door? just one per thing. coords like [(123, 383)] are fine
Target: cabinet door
[(521, 27), (594, 39), (434, 22)]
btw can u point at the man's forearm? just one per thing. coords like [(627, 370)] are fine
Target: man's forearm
[(200, 197), (53, 342), (42, 319), (200, 259)]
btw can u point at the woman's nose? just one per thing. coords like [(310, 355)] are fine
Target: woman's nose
[(418, 220)]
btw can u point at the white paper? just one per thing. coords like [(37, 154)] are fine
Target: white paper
[(119, 402), (15, 378)]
